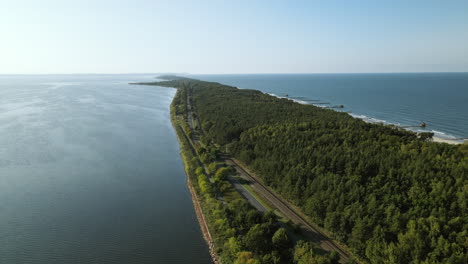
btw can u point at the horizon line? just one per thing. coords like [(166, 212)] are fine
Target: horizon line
[(238, 73)]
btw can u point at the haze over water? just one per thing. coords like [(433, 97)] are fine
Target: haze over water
[(406, 99), (90, 172)]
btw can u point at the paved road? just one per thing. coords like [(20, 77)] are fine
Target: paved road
[(288, 211), (247, 195)]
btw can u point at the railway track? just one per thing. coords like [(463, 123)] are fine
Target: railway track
[(286, 209)]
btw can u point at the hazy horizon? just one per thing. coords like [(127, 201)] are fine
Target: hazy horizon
[(230, 73), (245, 37)]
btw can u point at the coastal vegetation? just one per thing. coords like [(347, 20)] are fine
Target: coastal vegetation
[(391, 195), (241, 234)]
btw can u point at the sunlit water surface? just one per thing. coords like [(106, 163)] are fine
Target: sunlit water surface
[(90, 172)]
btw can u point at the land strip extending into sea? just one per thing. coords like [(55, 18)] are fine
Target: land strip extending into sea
[(309, 131), (188, 137)]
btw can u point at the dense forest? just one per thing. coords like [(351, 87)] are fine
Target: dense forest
[(240, 233), (389, 194)]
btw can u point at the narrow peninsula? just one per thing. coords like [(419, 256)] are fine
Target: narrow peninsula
[(275, 181)]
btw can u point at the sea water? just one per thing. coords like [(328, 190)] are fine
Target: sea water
[(405, 99)]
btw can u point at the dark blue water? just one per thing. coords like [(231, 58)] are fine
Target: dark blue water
[(407, 99), (90, 172)]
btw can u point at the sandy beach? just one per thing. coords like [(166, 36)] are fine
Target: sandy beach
[(448, 141)]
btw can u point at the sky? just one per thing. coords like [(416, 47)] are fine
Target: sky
[(150, 36)]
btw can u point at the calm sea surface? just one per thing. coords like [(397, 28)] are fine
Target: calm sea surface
[(90, 172), (438, 99)]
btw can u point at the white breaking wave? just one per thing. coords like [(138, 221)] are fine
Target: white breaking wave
[(292, 99), (372, 119)]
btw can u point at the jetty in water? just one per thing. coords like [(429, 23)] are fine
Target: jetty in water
[(422, 124), (335, 106)]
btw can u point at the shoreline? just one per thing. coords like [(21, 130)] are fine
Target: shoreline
[(437, 139), (196, 201), (203, 225), (448, 141), (199, 213)]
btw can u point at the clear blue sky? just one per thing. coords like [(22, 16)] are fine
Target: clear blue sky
[(151, 36)]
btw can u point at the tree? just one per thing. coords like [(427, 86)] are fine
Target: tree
[(199, 170), (281, 240), (246, 257), (426, 136), (212, 168), (304, 253), (256, 239), (221, 174), (233, 247)]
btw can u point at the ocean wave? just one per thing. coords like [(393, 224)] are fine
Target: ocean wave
[(370, 119), (299, 101), (443, 134), (285, 97), (321, 106), (439, 134)]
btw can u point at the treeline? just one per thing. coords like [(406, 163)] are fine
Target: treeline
[(389, 194), (242, 234)]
